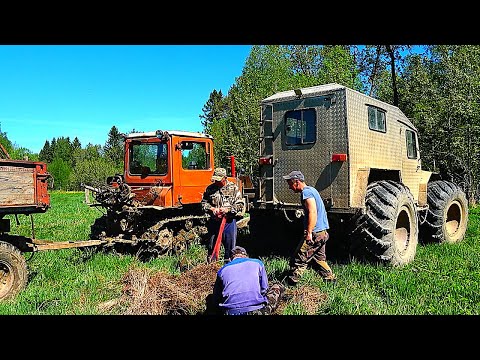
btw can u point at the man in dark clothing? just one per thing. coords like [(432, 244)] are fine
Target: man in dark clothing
[(222, 199), (241, 287), (315, 224)]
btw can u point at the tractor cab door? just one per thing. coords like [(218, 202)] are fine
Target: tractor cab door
[(192, 168)]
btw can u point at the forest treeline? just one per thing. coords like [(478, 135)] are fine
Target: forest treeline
[(436, 86)]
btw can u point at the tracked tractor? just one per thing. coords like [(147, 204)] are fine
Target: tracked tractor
[(153, 208)]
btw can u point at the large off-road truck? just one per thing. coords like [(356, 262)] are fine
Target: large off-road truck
[(362, 155)]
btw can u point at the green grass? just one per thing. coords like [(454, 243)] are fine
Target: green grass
[(444, 279)]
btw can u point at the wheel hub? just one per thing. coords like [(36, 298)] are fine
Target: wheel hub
[(6, 278)]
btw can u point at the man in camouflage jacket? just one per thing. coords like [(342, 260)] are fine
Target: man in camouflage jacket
[(222, 199)]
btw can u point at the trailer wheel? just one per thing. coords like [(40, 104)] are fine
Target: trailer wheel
[(388, 231), (447, 215), (13, 271)]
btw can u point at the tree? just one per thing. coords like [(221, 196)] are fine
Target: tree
[(113, 148), (213, 110), (373, 62), (46, 154), (92, 171), (63, 150), (22, 153), (76, 144), (60, 171), (6, 143)]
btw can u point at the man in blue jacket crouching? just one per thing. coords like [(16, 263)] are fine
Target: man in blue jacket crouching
[(241, 287)]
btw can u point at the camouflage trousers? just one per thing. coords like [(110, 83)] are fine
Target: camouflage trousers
[(311, 252), (274, 293)]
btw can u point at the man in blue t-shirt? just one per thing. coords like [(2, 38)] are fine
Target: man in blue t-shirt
[(241, 287), (315, 235)]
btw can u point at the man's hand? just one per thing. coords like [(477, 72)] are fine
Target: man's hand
[(219, 212), (307, 235)]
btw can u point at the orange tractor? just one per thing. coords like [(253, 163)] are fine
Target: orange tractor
[(154, 207)]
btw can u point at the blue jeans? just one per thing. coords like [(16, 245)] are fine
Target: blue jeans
[(229, 237)]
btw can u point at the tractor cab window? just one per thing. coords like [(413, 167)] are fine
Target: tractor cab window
[(300, 127), (411, 144), (148, 159), (194, 155)]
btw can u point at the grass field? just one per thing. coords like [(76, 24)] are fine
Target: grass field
[(442, 280)]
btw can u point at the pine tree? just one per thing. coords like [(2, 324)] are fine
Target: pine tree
[(113, 148), (214, 109), (46, 153)]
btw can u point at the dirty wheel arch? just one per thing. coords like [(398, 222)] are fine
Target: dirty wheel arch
[(13, 271), (388, 231), (447, 216)]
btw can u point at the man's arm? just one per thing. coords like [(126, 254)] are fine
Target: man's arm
[(236, 200), (206, 204), (263, 281), (239, 203), (311, 207), (217, 291), (206, 200)]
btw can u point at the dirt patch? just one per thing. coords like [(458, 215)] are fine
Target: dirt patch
[(161, 293), (307, 298)]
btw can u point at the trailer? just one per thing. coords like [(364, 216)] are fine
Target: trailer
[(23, 190)]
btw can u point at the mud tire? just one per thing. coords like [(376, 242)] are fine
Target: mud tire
[(388, 231), (13, 271), (447, 216)]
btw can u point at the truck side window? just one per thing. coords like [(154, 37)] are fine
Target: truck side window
[(376, 119), (411, 144), (300, 127), (194, 155)]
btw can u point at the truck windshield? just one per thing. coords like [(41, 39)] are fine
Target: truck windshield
[(148, 158)]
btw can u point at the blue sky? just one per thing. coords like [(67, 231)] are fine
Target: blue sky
[(50, 91)]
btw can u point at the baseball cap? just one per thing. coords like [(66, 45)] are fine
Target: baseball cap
[(219, 174), (238, 250), (295, 175)]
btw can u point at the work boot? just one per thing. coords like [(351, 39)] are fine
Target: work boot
[(330, 278), (326, 272), (277, 290), (274, 294)]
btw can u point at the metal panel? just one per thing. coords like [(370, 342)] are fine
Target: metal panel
[(330, 178), (373, 149)]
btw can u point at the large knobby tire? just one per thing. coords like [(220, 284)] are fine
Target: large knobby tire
[(447, 216), (13, 271), (388, 231)]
